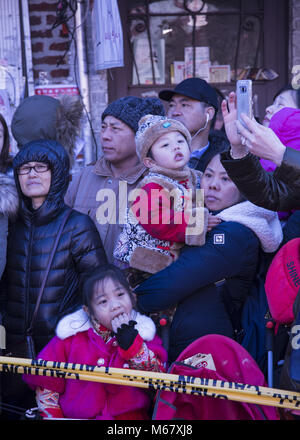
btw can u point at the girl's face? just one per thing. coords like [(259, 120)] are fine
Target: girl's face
[(110, 299), (219, 190)]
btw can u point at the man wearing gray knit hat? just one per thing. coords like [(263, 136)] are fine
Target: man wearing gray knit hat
[(95, 190), (130, 110)]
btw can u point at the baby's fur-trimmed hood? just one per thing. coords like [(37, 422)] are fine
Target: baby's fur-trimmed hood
[(264, 223), (79, 322), (9, 200)]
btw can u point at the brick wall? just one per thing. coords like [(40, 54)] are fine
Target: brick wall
[(97, 85), (49, 45)]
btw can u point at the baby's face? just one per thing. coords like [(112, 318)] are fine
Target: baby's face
[(171, 151)]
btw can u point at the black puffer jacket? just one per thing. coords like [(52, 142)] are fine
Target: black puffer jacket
[(30, 242)]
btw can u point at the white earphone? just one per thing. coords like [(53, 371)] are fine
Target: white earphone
[(202, 128)]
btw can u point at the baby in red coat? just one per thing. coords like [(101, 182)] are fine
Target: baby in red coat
[(167, 210)]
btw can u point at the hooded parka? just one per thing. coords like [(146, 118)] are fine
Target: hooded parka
[(30, 242)]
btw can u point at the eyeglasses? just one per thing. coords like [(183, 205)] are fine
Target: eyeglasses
[(42, 168)]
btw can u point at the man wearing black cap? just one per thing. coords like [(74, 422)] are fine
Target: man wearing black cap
[(195, 103), (95, 190)]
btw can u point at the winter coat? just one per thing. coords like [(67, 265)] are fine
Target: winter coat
[(278, 192), (285, 125), (209, 284), (291, 229), (77, 342), (8, 209), (157, 223), (96, 192), (30, 242)]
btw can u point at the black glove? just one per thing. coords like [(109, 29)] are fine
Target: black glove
[(126, 334)]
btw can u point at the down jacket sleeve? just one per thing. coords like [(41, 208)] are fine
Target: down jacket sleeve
[(55, 350), (3, 242), (198, 267), (278, 192), (86, 245)]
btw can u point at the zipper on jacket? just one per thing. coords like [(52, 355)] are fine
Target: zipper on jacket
[(27, 288)]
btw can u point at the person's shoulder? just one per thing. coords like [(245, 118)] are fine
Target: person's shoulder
[(233, 233), (9, 200), (84, 171), (79, 222), (73, 324), (151, 181), (80, 217)]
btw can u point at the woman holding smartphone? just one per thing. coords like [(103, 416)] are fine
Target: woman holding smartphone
[(279, 191)]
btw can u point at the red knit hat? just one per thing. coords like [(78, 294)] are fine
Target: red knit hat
[(283, 282)]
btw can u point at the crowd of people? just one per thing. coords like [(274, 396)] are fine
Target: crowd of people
[(165, 232)]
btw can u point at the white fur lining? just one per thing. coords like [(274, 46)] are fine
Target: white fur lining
[(79, 322), (9, 199), (264, 223)]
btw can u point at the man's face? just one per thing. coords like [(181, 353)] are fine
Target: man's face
[(190, 112), (117, 140)]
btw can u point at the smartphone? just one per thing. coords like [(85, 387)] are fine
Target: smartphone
[(244, 99)]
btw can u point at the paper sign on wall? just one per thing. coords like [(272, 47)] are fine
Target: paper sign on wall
[(108, 35)]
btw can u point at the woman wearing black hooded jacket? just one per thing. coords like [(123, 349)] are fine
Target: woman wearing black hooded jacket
[(41, 170)]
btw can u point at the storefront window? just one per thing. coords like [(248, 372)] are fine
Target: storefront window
[(217, 40)]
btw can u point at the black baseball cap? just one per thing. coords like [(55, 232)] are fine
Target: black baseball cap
[(195, 88)]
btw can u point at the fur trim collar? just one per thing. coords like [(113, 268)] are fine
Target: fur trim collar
[(79, 322), (69, 115), (179, 175), (9, 200), (169, 179), (264, 223)]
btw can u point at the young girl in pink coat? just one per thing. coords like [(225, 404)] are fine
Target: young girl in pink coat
[(108, 332)]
